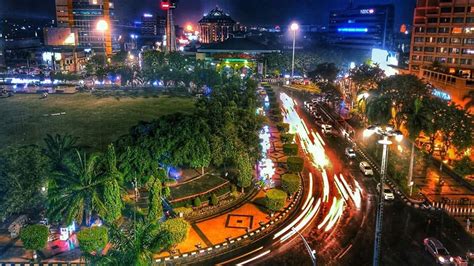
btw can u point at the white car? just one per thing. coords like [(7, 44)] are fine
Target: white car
[(387, 192), (327, 129), (350, 153), (365, 168), (438, 251)]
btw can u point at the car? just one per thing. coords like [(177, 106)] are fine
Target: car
[(350, 153), (314, 100), (366, 168), (387, 192), (317, 115), (327, 129), (437, 250)]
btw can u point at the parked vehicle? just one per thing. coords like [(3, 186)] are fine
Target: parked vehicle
[(327, 129), (366, 168), (438, 251)]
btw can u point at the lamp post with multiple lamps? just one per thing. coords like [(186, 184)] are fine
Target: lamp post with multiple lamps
[(102, 26), (386, 133), (294, 27)]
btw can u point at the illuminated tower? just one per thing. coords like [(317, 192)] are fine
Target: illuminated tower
[(168, 6)]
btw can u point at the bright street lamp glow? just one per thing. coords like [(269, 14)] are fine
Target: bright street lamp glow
[(102, 25), (368, 132), (294, 26)]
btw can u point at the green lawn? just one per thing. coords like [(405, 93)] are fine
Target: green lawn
[(97, 121), (202, 184)]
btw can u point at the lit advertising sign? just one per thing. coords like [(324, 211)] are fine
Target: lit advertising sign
[(367, 11), (353, 30), (441, 94), (168, 4), (386, 60), (60, 36)]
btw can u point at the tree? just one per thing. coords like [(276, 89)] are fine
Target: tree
[(275, 199), (59, 149), (325, 71), (367, 76), (379, 109), (290, 149), (244, 168), (197, 202), (176, 229), (295, 164), (283, 127), (34, 237), (24, 172), (93, 240), (287, 138), (155, 207), (76, 193), (112, 193), (290, 183), (214, 200)]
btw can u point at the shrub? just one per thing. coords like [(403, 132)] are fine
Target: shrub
[(295, 164), (275, 199), (464, 166), (188, 204), (214, 199), (183, 210), (176, 231), (93, 239), (287, 138), (197, 202), (233, 188), (290, 149), (290, 183), (283, 127), (34, 237)]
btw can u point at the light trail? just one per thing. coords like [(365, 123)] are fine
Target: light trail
[(325, 186), (254, 258), (313, 212), (340, 187), (310, 191), (336, 216), (292, 224)]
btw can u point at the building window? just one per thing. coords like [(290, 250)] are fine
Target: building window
[(454, 50), (443, 40), (445, 20), (445, 10), (420, 29), (430, 39), (443, 30), (458, 20), (469, 30), (455, 40), (465, 61), (429, 49), (441, 59), (469, 41), (470, 20), (419, 39), (432, 20), (442, 50), (457, 30), (416, 57), (467, 51), (431, 30), (428, 58), (453, 60), (459, 9), (417, 48)]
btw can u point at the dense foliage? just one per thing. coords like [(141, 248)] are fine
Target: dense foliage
[(290, 183), (295, 164), (34, 237), (93, 239), (275, 199)]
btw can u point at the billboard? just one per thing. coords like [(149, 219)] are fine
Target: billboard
[(386, 60), (60, 36)]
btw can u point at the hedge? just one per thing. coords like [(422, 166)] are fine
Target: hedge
[(93, 239), (177, 230), (190, 202), (183, 210), (214, 200), (197, 202), (287, 137), (295, 164), (283, 127), (275, 199), (34, 237), (290, 183), (290, 149)]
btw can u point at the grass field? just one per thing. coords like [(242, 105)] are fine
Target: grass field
[(97, 121), (199, 185)]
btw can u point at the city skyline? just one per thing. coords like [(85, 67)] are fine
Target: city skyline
[(284, 12)]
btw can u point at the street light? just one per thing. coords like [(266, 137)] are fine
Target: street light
[(312, 253), (294, 27), (102, 26), (387, 133)]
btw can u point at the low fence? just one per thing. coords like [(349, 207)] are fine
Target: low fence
[(457, 208)]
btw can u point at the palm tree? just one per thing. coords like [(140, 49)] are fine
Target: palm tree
[(135, 246), (419, 119), (77, 192), (379, 109), (58, 148)]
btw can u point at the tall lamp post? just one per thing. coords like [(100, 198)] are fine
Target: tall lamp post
[(102, 26), (312, 253), (294, 27), (387, 133)]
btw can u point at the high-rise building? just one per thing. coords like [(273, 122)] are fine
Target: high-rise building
[(362, 27), (442, 50), (84, 15), (149, 25), (2, 47), (216, 26)]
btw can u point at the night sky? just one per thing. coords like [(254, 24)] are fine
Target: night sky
[(245, 11)]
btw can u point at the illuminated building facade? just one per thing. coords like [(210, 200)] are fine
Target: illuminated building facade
[(2, 47), (443, 32), (216, 26), (362, 27), (83, 15)]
